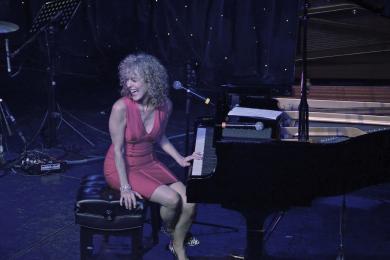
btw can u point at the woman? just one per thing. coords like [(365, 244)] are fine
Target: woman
[(137, 121)]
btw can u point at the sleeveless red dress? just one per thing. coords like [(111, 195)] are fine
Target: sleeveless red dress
[(144, 172)]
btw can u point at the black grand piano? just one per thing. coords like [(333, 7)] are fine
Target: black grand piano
[(257, 172)]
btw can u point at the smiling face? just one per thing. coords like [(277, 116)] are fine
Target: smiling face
[(136, 86), (144, 79)]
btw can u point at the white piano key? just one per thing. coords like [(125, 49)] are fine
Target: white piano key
[(199, 148)]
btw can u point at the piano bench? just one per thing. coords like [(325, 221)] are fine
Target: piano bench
[(98, 211)]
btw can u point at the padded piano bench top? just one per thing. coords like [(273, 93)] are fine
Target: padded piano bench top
[(98, 207)]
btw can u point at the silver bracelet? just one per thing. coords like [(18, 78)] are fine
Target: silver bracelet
[(125, 188)]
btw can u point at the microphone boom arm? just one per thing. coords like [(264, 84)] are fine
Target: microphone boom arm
[(177, 85), (206, 100)]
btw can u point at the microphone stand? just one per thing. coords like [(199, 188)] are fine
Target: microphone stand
[(303, 122), (207, 101), (187, 114), (303, 130)]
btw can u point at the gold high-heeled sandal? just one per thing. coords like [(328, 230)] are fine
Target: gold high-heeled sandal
[(172, 250)]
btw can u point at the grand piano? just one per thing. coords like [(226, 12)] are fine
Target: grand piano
[(260, 171)]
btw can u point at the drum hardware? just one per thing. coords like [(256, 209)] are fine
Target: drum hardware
[(53, 17)]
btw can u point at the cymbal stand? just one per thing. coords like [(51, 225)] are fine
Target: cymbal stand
[(5, 130), (8, 128)]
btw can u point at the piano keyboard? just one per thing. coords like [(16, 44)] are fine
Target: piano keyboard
[(204, 145)]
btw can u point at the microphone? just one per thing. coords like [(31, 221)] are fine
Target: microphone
[(8, 56), (258, 126), (177, 85)]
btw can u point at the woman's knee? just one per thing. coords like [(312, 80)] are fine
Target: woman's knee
[(189, 208), (174, 201), (166, 197)]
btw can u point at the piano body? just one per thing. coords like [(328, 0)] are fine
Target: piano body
[(258, 172)]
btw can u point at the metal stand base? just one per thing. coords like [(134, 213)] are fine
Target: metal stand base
[(49, 140)]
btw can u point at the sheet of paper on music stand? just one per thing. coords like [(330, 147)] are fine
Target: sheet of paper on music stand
[(254, 112)]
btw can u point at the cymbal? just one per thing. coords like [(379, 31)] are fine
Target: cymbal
[(7, 27)]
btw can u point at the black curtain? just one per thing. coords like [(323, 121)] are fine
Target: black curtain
[(226, 41)]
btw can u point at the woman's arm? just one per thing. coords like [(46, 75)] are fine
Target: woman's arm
[(168, 147), (117, 125)]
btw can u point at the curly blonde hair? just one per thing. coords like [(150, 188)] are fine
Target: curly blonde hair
[(152, 72)]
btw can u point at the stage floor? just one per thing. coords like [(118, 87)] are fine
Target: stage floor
[(37, 220)]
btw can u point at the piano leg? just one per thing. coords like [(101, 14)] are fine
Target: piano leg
[(254, 234)]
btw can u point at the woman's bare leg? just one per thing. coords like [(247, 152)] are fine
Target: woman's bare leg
[(171, 205), (185, 220), (176, 213)]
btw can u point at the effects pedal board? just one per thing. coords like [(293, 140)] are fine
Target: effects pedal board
[(37, 163)]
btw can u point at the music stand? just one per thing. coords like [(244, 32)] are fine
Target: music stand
[(61, 10), (53, 17)]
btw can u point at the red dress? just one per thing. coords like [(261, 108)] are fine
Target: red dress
[(144, 172)]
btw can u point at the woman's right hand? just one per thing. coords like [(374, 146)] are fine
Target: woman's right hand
[(185, 161), (128, 198)]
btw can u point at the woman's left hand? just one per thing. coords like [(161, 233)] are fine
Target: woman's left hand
[(185, 161)]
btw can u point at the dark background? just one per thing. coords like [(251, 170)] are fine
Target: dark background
[(225, 41), (241, 42)]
